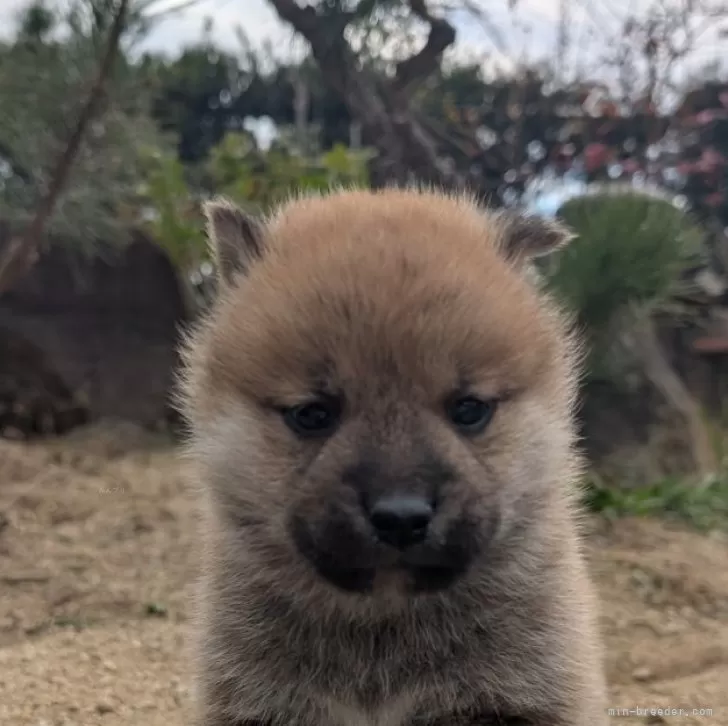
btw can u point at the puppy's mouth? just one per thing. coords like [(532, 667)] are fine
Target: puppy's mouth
[(352, 563)]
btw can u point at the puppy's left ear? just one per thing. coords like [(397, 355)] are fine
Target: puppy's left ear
[(524, 237)]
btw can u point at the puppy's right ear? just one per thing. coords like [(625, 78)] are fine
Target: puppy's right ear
[(235, 237)]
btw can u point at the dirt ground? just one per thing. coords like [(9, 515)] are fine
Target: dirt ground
[(95, 556)]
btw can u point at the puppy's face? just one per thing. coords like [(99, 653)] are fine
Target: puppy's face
[(379, 397)]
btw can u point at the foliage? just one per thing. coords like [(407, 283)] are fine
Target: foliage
[(173, 217), (238, 169), (198, 97), (630, 252), (686, 152), (205, 93), (504, 129), (241, 171), (705, 507), (42, 84), (516, 127), (702, 169)]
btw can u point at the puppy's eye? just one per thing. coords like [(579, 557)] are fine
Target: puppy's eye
[(470, 414), (313, 419)]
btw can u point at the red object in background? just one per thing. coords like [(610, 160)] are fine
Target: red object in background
[(595, 156), (715, 199), (704, 117), (708, 162)]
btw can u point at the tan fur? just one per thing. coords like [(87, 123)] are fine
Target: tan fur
[(393, 298)]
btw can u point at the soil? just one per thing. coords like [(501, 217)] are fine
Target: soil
[(95, 553)]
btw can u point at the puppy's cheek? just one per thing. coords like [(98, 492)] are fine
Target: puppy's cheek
[(246, 471)]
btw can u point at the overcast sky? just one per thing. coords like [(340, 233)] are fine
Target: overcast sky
[(530, 31), (261, 23)]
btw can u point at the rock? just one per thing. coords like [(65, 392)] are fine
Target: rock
[(642, 674), (34, 399)]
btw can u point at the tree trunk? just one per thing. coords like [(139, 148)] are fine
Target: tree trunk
[(644, 344), (406, 148)]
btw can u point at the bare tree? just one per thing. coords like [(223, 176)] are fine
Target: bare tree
[(649, 50), (382, 105)]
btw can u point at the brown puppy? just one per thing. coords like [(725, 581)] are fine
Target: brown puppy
[(381, 414)]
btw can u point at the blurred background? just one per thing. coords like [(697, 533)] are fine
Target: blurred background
[(119, 117)]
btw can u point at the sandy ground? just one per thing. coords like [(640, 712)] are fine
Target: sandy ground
[(94, 574)]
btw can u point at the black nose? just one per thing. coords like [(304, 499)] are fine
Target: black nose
[(401, 521)]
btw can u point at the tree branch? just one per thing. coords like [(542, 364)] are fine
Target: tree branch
[(382, 106), (302, 19), (22, 252), (420, 66)]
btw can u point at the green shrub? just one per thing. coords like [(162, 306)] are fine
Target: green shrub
[(238, 169), (241, 171), (630, 252), (177, 223)]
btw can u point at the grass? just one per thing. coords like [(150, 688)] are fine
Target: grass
[(155, 609), (78, 623), (704, 506)]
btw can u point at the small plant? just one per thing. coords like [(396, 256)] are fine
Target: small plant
[(78, 623), (704, 507), (155, 609), (174, 217)]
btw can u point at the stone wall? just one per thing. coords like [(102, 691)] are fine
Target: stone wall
[(108, 325)]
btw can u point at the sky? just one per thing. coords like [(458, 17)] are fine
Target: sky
[(529, 33), (261, 23)]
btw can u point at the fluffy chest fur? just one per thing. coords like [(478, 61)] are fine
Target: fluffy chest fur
[(280, 661)]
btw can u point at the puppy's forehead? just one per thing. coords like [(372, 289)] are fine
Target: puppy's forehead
[(411, 295)]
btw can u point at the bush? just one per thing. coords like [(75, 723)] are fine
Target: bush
[(172, 193), (630, 255), (631, 251), (240, 170), (43, 84)]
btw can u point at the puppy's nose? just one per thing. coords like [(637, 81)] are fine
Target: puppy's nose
[(401, 521)]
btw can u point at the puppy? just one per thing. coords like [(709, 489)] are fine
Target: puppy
[(380, 409)]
